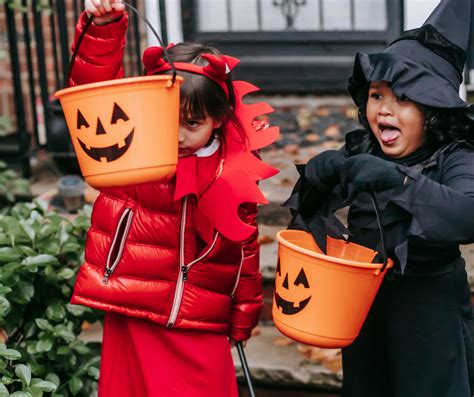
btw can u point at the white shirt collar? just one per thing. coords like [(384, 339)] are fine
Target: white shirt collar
[(209, 150)]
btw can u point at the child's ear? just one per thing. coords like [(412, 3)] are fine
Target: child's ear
[(216, 124)]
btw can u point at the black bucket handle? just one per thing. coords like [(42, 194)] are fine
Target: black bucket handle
[(245, 368), (377, 215), (88, 23)]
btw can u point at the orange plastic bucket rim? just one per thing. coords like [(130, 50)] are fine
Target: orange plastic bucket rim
[(124, 81), (282, 240)]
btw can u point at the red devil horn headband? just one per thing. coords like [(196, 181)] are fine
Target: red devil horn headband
[(217, 69)]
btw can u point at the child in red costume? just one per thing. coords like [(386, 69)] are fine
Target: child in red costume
[(176, 264)]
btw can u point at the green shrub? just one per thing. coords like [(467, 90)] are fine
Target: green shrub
[(40, 254), (12, 186)]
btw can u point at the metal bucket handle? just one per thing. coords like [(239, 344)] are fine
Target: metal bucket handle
[(144, 19)]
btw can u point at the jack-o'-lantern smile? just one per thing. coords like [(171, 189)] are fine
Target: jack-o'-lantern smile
[(288, 307), (106, 153), (299, 285)]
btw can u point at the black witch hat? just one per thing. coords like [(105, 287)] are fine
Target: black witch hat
[(425, 64)]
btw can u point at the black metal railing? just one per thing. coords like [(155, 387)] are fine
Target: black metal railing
[(39, 35)]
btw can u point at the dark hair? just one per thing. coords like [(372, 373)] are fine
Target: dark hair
[(200, 96), (442, 125)]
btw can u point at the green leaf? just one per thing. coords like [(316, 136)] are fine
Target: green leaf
[(40, 260), (23, 293), (77, 310), (44, 344), (63, 350), (56, 311), (94, 372), (3, 390), (4, 306), (41, 204), (53, 378), (9, 254), (44, 386), (63, 237), (28, 230), (21, 394), (66, 273), (44, 324), (68, 336), (4, 290), (8, 380), (28, 251), (24, 373), (66, 290), (11, 227), (75, 385), (82, 349), (48, 247), (70, 247), (10, 354)]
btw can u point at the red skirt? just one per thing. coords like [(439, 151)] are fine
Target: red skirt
[(141, 358)]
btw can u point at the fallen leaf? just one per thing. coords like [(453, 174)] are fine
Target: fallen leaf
[(291, 149), (265, 239), (85, 325), (3, 336), (286, 182), (256, 331)]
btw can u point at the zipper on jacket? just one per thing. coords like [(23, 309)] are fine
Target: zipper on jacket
[(184, 269), (118, 243)]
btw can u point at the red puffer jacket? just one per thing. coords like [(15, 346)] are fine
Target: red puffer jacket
[(144, 256)]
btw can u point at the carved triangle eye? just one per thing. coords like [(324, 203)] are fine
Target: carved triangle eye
[(301, 279), (118, 114), (81, 120), (285, 282)]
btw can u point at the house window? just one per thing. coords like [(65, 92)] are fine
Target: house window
[(291, 15)]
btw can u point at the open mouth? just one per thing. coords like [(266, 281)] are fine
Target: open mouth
[(108, 153), (288, 307), (388, 133)]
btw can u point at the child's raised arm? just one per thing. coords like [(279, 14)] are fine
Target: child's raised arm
[(101, 51)]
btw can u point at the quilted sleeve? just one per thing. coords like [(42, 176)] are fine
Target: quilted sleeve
[(248, 295), (100, 52)]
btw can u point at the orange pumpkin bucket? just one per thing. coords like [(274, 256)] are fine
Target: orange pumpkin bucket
[(323, 299), (124, 131)]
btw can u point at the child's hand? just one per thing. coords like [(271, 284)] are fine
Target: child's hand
[(367, 173), (322, 171), (104, 11)]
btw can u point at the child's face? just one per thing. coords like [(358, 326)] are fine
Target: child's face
[(398, 124), (194, 134)]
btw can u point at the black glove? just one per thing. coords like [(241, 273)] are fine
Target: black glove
[(323, 170), (367, 173)]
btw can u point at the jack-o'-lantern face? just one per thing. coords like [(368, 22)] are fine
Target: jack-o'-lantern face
[(297, 288), (87, 135)]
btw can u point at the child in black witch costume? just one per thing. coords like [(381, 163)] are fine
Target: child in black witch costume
[(416, 154)]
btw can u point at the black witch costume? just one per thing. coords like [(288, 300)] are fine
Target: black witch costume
[(417, 340)]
